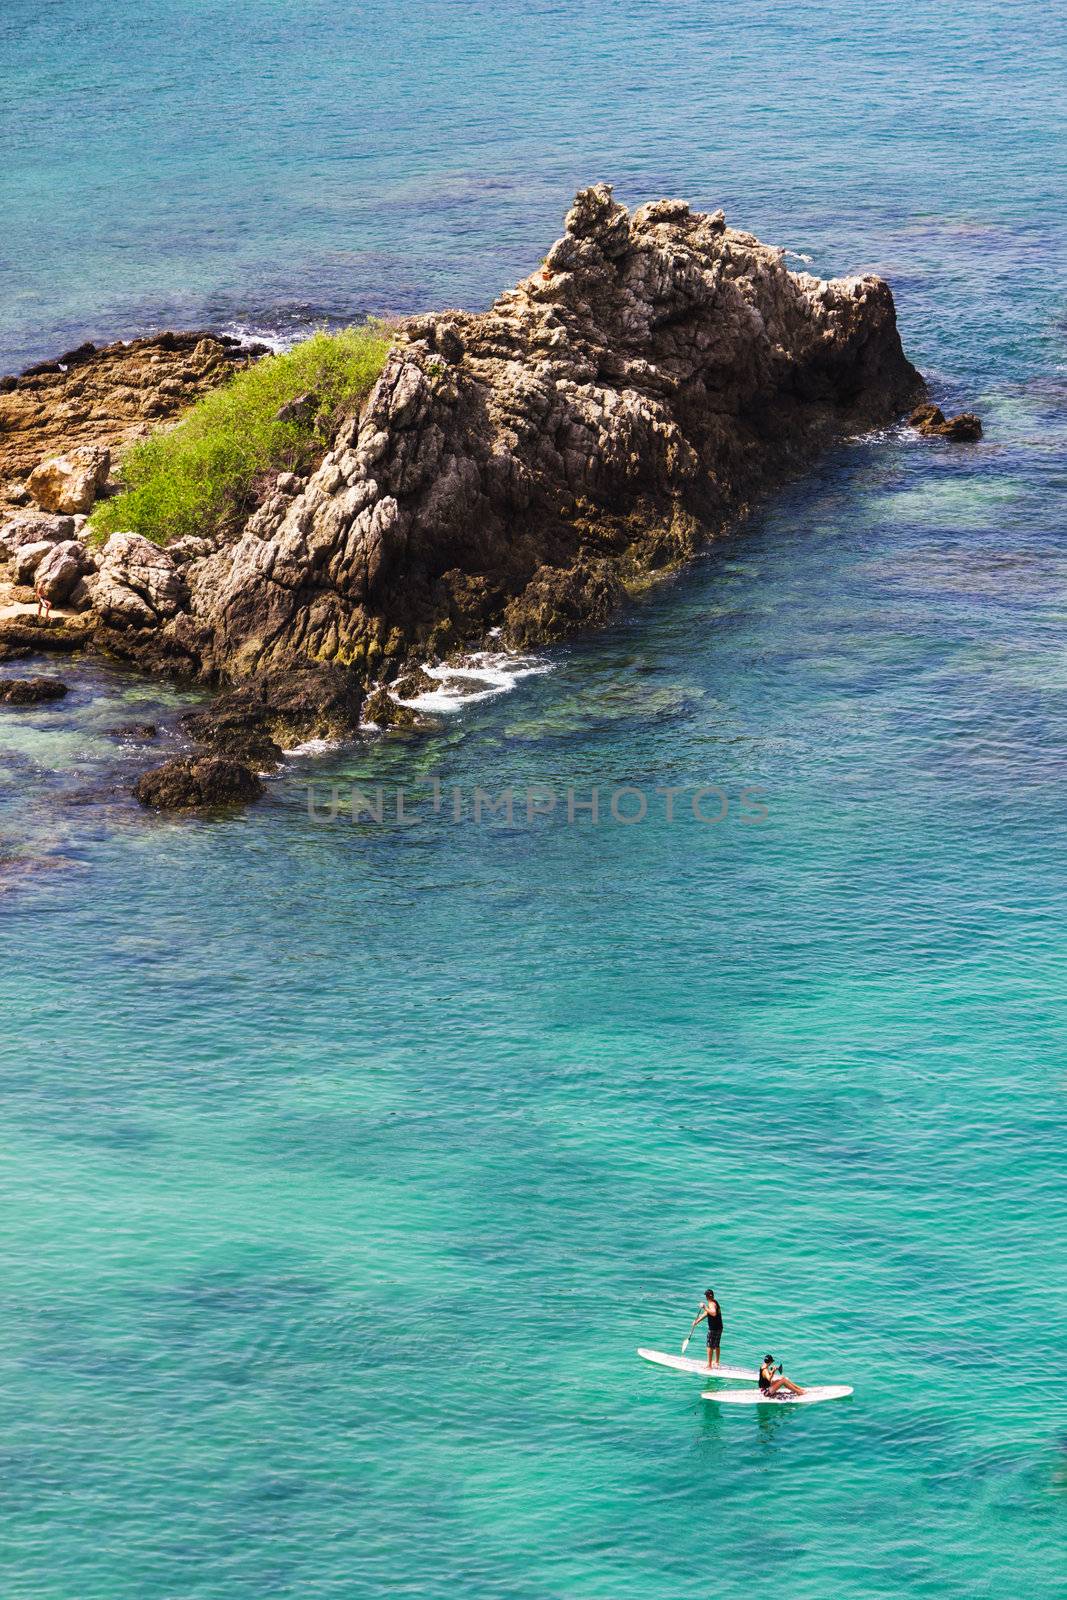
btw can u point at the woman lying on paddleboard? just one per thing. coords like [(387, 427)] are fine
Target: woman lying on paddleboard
[(771, 1381), (712, 1310)]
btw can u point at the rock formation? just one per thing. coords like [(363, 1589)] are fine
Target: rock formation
[(522, 467), (931, 420), (30, 691), (185, 784), (596, 423), (70, 483), (104, 397)]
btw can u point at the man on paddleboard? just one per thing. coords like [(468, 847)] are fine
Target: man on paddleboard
[(771, 1381), (712, 1312)]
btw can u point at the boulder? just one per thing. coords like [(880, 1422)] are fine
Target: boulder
[(413, 683), (70, 482), (30, 691), (139, 731), (383, 711), (558, 601), (60, 569), (28, 558), (187, 784), (275, 710), (33, 528), (137, 583), (931, 420)]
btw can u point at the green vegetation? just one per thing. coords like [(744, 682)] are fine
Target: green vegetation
[(201, 476)]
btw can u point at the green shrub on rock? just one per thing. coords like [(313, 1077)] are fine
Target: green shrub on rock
[(275, 416)]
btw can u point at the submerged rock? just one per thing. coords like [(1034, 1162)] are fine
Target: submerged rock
[(558, 601), (188, 784), (140, 731), (276, 710), (930, 419), (30, 691)]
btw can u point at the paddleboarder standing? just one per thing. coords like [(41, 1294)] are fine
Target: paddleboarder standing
[(711, 1312)]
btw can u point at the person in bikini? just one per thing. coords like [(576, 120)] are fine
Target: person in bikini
[(772, 1382), (711, 1312)]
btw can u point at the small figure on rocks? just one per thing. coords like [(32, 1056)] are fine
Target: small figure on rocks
[(44, 605)]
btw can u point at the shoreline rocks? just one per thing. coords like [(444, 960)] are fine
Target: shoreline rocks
[(31, 691), (69, 484), (92, 399), (196, 784), (525, 468), (596, 425), (931, 420)]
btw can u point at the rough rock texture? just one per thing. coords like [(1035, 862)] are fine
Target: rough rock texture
[(33, 528), (559, 600), (382, 710), (595, 424), (60, 569), (27, 559), (276, 710), (70, 483), (106, 396), (191, 784), (137, 583), (930, 419), (30, 691), (26, 634)]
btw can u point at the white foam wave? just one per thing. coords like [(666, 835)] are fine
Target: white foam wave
[(251, 334), (477, 677), (312, 747)]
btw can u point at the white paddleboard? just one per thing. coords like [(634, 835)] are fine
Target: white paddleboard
[(753, 1397), (699, 1369)]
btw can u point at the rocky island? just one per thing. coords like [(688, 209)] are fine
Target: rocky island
[(523, 468)]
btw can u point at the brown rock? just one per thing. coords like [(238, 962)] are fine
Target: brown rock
[(60, 570), (276, 710), (188, 785), (71, 482), (384, 712), (931, 420), (27, 633), (95, 396), (413, 683), (30, 691), (559, 601), (668, 369)]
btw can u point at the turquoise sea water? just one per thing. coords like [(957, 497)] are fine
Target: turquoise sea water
[(346, 1165)]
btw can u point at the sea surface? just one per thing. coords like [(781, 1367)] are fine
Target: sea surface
[(347, 1162)]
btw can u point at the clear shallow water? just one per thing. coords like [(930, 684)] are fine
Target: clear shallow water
[(346, 1165)]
